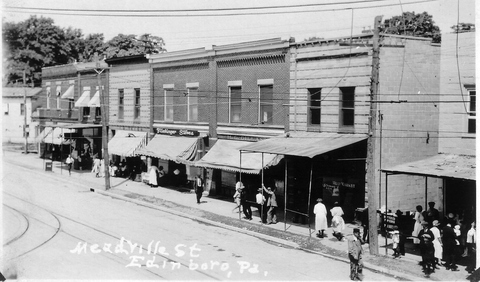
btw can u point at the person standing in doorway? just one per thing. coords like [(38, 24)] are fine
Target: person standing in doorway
[(271, 205), (449, 245), (432, 213), (320, 212), (199, 187), (355, 252), (69, 162), (417, 227)]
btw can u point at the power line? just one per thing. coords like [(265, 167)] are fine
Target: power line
[(133, 14)]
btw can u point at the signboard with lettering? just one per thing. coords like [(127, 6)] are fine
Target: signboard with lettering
[(177, 132)]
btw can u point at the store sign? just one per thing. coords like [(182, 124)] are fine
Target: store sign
[(333, 186), (177, 132)]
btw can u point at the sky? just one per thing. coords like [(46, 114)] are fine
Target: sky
[(187, 28)]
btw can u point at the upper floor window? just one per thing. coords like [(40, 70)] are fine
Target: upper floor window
[(121, 103), (347, 103), (168, 104), (136, 111), (48, 96), (235, 103), (22, 109), (472, 114), (266, 104), (192, 101), (59, 93), (314, 100)]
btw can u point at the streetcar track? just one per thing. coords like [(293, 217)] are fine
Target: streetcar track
[(23, 233), (105, 233)]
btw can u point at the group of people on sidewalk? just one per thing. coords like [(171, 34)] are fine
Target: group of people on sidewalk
[(439, 243), (265, 198)]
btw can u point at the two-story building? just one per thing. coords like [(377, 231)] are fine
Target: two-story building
[(70, 120)]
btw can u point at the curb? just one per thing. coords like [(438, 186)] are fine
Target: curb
[(367, 265)]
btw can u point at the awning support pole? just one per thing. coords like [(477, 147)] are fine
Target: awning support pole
[(240, 179), (426, 192), (61, 152), (386, 212), (285, 197), (309, 196), (262, 207)]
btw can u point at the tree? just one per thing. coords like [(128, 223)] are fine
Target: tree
[(94, 43), (127, 45), (412, 24)]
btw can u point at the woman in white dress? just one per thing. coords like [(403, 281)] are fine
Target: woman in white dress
[(417, 226), (338, 223), (437, 242), (152, 176), (320, 218)]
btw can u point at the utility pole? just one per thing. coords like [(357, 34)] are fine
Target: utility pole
[(103, 108), (25, 111), (372, 126)]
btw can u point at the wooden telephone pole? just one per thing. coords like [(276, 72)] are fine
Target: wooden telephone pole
[(25, 128), (372, 127), (103, 108)]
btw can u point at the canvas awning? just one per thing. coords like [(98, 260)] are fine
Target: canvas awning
[(441, 166), (69, 93), (125, 143), (305, 144), (57, 136), (225, 155), (83, 100), (172, 148), (95, 101)]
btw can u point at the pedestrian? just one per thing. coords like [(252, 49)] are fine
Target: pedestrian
[(437, 243), (338, 223), (96, 166), (199, 187), (396, 242), (401, 221), (432, 213), (355, 252), (160, 176), (426, 248), (271, 204), (247, 211), (320, 218), (417, 227), (449, 246), (153, 176), (237, 200), (261, 201), (471, 253), (69, 162)]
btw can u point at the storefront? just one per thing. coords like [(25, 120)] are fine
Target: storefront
[(318, 165), (123, 149)]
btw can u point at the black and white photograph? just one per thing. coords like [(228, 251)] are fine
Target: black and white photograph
[(221, 140)]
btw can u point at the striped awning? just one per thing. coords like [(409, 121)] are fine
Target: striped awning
[(83, 100), (95, 101), (69, 93), (172, 148), (126, 143), (225, 155), (56, 136)]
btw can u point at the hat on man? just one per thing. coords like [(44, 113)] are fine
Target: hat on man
[(424, 223), (319, 200), (259, 190), (435, 223), (356, 230)]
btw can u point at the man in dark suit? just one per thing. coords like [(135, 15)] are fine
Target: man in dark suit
[(449, 245)]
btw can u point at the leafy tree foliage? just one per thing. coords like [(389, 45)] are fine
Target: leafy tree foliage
[(36, 43), (412, 24), (127, 45)]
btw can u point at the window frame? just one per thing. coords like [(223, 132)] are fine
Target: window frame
[(472, 114), (231, 106), (344, 108), (316, 108), (121, 103), (265, 104), (137, 103), (192, 92)]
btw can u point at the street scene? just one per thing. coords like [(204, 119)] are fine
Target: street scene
[(279, 141)]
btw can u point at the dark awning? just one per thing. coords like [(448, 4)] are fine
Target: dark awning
[(441, 166), (225, 155), (304, 144), (172, 148), (125, 143)]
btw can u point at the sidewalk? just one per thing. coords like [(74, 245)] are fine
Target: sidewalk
[(219, 212)]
